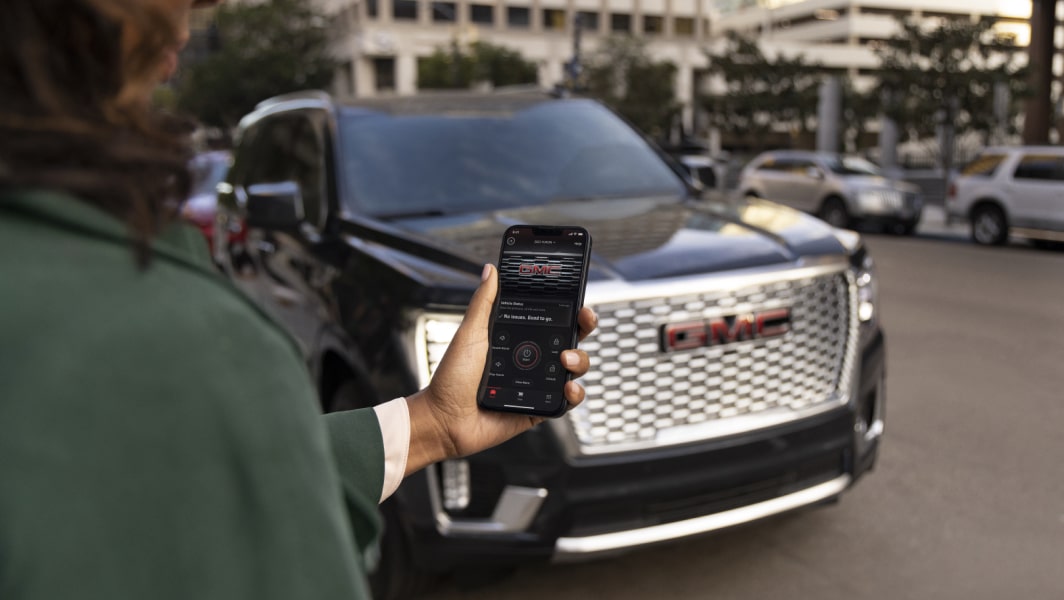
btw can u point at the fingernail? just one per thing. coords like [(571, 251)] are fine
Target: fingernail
[(570, 359), (487, 272)]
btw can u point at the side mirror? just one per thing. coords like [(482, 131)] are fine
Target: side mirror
[(814, 173), (276, 206)]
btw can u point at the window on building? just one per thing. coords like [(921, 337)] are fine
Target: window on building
[(384, 73), (589, 21), (684, 26), (482, 13), (444, 12), (372, 8), (553, 19), (653, 24), (518, 16), (620, 23), (404, 10)]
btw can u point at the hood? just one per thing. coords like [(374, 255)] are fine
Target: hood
[(643, 238)]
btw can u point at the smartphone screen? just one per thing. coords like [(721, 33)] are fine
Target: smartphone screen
[(542, 276)]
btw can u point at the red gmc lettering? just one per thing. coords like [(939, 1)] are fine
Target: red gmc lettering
[(726, 330), (741, 328), (548, 270)]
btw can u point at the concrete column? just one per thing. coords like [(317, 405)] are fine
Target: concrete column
[(685, 94), (406, 74), (828, 115), (365, 78)]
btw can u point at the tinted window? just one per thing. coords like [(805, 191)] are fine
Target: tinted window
[(471, 161), (851, 165), (1045, 167), (983, 166)]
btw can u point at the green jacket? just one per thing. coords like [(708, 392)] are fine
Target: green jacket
[(159, 435)]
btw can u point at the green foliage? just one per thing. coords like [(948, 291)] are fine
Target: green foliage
[(947, 75), (622, 75), (267, 48), (455, 68), (761, 95)]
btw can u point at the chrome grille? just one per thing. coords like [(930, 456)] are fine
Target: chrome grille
[(640, 396)]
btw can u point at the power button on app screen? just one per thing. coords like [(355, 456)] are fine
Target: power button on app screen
[(526, 355)]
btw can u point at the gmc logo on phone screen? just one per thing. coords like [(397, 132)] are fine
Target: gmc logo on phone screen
[(725, 330), (548, 270)]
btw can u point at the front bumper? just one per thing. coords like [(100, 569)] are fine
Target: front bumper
[(537, 504)]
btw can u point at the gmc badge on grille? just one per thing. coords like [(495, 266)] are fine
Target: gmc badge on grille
[(725, 330)]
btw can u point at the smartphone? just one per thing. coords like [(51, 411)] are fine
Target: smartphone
[(542, 277)]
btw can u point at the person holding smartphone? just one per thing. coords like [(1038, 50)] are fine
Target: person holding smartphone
[(159, 435)]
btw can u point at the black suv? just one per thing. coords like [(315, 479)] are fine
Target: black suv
[(738, 368)]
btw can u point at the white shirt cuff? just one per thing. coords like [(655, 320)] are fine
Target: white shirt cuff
[(394, 419)]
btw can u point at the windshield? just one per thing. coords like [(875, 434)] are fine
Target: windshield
[(449, 163), (852, 165)]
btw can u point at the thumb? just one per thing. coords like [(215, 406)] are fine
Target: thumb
[(479, 312)]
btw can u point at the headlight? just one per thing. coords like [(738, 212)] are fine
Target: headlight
[(434, 334)]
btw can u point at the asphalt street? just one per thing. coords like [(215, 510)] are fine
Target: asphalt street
[(967, 500)]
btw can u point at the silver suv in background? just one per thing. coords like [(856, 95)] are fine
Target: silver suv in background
[(842, 190), (1017, 190)]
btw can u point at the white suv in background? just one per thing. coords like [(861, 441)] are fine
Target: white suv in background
[(842, 190), (1011, 190)]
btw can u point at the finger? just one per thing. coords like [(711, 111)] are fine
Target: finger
[(574, 393), (588, 321), (479, 311), (576, 362)]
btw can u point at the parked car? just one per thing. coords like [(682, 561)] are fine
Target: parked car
[(843, 190), (695, 158), (738, 368), (708, 171), (1011, 190)]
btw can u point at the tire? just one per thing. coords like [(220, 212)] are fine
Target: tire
[(989, 226), (903, 228), (397, 577), (346, 397), (834, 213), (1047, 245)]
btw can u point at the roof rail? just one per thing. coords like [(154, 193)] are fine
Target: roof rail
[(316, 95)]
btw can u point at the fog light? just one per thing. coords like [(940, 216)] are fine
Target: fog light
[(454, 475)]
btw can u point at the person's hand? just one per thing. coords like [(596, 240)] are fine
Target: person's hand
[(445, 421)]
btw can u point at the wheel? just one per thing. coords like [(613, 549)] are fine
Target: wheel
[(834, 213), (903, 228), (346, 397), (397, 577), (1047, 244), (989, 227)]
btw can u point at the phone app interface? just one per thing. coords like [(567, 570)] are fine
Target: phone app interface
[(540, 279)]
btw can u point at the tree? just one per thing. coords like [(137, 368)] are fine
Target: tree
[(454, 68), (760, 95), (946, 77), (622, 75), (265, 49)]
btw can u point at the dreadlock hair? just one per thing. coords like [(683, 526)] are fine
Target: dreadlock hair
[(66, 123)]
